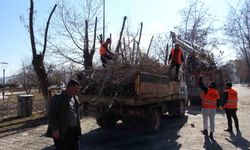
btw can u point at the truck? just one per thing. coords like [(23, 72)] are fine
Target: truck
[(204, 65), (146, 96)]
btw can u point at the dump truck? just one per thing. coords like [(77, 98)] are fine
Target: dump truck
[(145, 96)]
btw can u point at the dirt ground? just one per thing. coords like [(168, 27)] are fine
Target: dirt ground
[(175, 133)]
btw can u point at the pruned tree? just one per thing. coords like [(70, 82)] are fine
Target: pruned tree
[(38, 58), (75, 27), (237, 29)]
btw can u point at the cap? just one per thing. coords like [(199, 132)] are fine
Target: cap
[(73, 82)]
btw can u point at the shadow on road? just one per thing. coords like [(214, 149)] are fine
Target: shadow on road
[(133, 136), (238, 141), (211, 144)]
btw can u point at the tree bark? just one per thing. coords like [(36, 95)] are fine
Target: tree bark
[(120, 37), (150, 45)]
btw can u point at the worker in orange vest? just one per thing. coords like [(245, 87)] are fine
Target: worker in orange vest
[(175, 60), (105, 53), (230, 99), (209, 104)]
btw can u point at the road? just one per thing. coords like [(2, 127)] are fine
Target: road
[(175, 133)]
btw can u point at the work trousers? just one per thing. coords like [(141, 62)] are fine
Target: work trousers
[(70, 141), (177, 68), (231, 113), (208, 113), (105, 58)]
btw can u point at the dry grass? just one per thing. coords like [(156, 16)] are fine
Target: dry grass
[(16, 123)]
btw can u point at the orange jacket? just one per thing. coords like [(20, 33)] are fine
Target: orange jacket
[(232, 99), (179, 55), (103, 48), (209, 100)]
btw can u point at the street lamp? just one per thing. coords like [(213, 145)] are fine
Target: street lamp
[(4, 66)]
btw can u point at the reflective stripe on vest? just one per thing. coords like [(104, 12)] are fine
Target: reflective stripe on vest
[(209, 100), (232, 99), (178, 55)]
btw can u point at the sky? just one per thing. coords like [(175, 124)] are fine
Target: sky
[(158, 16)]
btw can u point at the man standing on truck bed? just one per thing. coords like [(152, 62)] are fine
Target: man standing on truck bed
[(176, 59), (105, 53), (209, 104)]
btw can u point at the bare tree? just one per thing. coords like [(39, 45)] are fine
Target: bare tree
[(238, 31), (75, 28), (38, 58), (27, 77), (241, 71), (160, 48), (196, 25)]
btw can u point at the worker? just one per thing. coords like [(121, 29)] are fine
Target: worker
[(105, 53), (209, 104), (175, 60), (230, 99)]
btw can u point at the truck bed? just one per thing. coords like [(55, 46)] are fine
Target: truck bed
[(148, 89)]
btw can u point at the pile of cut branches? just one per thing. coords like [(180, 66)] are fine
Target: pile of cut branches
[(118, 78)]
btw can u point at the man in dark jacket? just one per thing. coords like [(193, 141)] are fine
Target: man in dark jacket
[(64, 121)]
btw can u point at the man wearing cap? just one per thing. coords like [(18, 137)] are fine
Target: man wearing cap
[(175, 60), (64, 120), (230, 100), (209, 104)]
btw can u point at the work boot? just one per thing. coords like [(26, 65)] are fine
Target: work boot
[(204, 132), (211, 136), (228, 130)]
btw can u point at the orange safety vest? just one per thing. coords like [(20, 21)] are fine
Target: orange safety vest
[(209, 100), (232, 99), (103, 48), (178, 55)]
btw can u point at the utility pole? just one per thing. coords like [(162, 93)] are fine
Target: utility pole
[(103, 21), (4, 65)]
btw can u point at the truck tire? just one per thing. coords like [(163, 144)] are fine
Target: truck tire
[(153, 121), (182, 109), (178, 109), (106, 121)]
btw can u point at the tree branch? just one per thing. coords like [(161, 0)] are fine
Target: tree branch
[(46, 30)]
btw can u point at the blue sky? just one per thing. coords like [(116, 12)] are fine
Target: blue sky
[(158, 16)]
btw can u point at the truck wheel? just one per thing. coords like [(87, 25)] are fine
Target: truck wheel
[(106, 121), (153, 121), (177, 109), (182, 109)]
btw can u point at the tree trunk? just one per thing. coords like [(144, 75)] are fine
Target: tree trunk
[(42, 75), (166, 55), (38, 59), (120, 37), (86, 55)]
